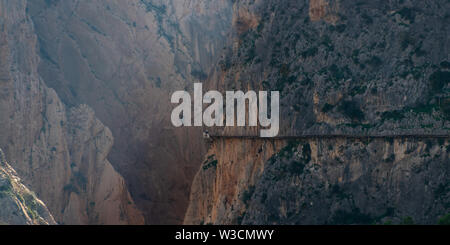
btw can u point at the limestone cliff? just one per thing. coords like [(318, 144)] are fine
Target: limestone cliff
[(20, 206), (125, 59), (322, 181), (59, 152), (342, 67), (381, 67), (346, 181), (231, 166)]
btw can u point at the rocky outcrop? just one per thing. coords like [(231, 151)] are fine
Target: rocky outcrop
[(125, 59), (322, 181), (59, 152), (324, 10), (230, 167), (342, 67), (96, 192), (347, 181), (376, 70), (20, 206)]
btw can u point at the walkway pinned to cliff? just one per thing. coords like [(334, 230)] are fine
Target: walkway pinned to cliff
[(336, 136)]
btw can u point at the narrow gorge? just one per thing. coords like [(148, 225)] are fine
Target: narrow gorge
[(85, 112), (84, 101)]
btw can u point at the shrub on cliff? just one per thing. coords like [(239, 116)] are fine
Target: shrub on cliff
[(351, 109), (445, 220)]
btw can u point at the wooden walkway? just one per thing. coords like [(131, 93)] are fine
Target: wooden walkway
[(337, 136)]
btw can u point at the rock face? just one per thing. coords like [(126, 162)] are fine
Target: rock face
[(353, 182), (322, 181), (327, 10), (377, 69), (59, 152), (125, 59), (342, 67), (85, 89), (20, 206), (231, 166)]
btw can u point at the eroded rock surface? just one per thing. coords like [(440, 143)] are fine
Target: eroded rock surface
[(20, 206), (59, 152), (125, 59), (342, 67)]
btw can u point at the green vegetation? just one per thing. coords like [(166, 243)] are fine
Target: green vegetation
[(309, 52), (424, 108), (295, 166), (50, 2), (285, 77), (445, 64), (240, 218), (289, 149), (438, 80), (338, 192), (355, 56), (407, 14), (351, 109), (161, 10), (247, 195), (200, 75), (326, 41), (419, 52), (306, 153), (358, 90), (444, 220), (390, 159), (445, 107), (338, 73), (355, 216), (388, 222), (392, 115), (406, 40), (327, 108), (407, 221), (5, 187), (367, 19), (441, 190), (69, 188), (210, 162), (29, 200), (251, 55), (77, 184), (341, 28), (374, 61), (80, 180), (357, 125), (263, 198)]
